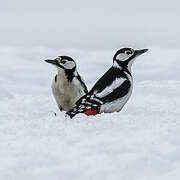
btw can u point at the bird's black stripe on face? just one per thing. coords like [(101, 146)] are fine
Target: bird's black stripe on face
[(119, 92), (124, 65), (59, 65), (130, 58)]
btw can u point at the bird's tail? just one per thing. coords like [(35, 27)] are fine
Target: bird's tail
[(89, 106), (70, 114), (76, 110)]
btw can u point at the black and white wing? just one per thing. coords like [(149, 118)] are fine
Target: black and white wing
[(111, 86)]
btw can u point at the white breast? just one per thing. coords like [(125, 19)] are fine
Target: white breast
[(66, 93)]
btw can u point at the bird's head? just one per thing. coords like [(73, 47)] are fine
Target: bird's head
[(126, 57), (63, 62)]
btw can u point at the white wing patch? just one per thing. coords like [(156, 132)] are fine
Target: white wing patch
[(109, 89), (116, 105)]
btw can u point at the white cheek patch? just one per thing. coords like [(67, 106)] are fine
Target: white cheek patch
[(122, 57), (69, 65)]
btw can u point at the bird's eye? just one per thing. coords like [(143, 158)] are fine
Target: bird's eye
[(63, 61), (128, 52)]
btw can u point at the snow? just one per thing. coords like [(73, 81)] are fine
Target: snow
[(140, 143)]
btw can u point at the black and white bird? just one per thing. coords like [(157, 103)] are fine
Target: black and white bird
[(111, 92), (67, 86)]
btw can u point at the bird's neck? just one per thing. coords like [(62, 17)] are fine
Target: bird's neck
[(122, 66), (67, 74), (129, 65)]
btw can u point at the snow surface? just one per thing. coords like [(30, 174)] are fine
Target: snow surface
[(142, 142)]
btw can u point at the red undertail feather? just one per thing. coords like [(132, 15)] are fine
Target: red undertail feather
[(91, 112)]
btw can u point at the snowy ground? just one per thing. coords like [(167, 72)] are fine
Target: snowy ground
[(142, 142)]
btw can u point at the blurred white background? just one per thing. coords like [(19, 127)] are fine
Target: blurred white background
[(90, 24)]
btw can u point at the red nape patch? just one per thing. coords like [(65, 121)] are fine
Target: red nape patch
[(91, 112)]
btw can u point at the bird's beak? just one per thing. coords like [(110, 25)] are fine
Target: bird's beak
[(139, 52), (53, 62)]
